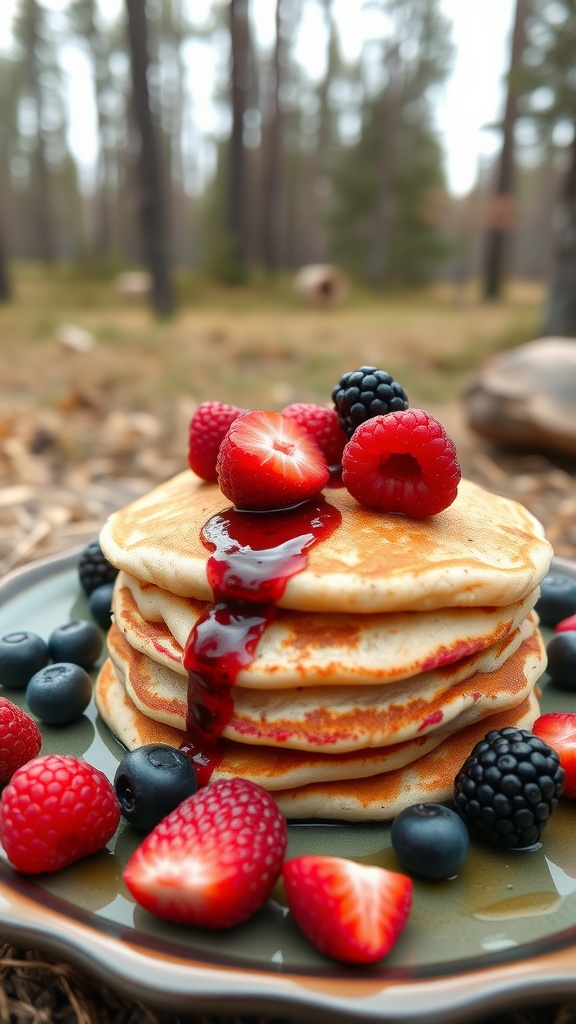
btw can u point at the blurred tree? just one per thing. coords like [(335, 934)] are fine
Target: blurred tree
[(383, 223), (273, 153), (237, 173), (500, 209), (151, 198), (4, 284), (549, 87), (41, 115)]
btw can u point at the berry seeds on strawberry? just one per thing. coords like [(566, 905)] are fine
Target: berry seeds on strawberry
[(213, 861), (55, 810), (208, 427), (268, 462), (20, 739), (349, 911), (558, 730), (402, 462)]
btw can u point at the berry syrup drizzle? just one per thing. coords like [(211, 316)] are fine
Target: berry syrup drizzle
[(253, 555)]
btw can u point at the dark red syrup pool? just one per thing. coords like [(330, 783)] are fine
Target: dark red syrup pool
[(253, 555)]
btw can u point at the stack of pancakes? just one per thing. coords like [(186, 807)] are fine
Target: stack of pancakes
[(396, 646)]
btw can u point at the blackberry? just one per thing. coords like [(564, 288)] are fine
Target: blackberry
[(508, 787), (94, 569), (361, 394)]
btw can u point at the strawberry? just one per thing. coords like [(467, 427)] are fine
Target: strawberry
[(323, 425), (558, 730), (55, 810), (207, 429), (349, 911), (567, 625), (402, 462), (214, 860), (267, 462), (20, 738)]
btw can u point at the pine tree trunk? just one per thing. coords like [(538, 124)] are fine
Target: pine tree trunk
[(272, 184), (151, 198), (4, 284), (560, 314), (378, 256), (237, 191), (501, 213)]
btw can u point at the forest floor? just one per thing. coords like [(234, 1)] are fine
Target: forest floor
[(81, 432)]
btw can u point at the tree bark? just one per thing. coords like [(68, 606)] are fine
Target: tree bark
[(4, 283), (560, 313), (151, 197), (384, 212), (272, 184), (500, 209), (237, 178)]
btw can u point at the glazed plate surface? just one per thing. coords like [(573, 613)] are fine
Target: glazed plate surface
[(503, 933)]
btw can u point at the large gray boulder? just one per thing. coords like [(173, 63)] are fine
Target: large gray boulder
[(525, 397)]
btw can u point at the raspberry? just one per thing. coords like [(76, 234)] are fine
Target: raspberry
[(323, 425), (55, 810), (402, 462), (94, 569), (208, 427), (508, 787), (361, 394), (267, 462), (20, 738)]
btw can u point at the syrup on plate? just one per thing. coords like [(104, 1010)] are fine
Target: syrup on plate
[(252, 557)]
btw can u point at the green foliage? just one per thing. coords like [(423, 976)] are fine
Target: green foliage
[(382, 185), (547, 78)]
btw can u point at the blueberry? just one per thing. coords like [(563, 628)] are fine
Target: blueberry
[(59, 693), (561, 653), (151, 781), (21, 655), (100, 604), (78, 641), (430, 840), (557, 599)]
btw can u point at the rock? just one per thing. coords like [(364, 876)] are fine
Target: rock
[(133, 284), (525, 397), (321, 284), (75, 338)]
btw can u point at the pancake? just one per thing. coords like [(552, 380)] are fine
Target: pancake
[(340, 719), (377, 784), (483, 550), (430, 779), (299, 649)]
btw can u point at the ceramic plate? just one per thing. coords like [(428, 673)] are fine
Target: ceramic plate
[(502, 933)]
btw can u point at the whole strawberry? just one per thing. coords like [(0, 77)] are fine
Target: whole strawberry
[(268, 462), (323, 426), (20, 738), (55, 810), (402, 462), (349, 911), (208, 426), (214, 860)]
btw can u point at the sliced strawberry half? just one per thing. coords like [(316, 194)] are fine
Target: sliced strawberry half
[(267, 461), (558, 730), (213, 861), (349, 911)]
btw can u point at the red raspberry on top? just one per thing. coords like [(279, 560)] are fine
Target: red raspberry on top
[(402, 462), (20, 738), (55, 810), (208, 426), (213, 861), (267, 461), (323, 426)]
